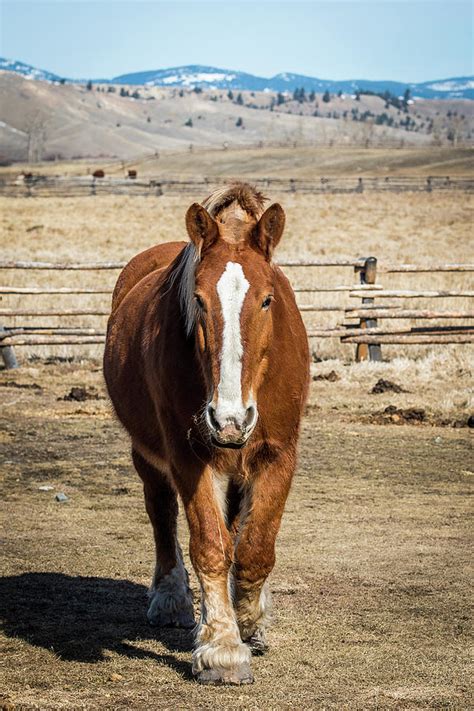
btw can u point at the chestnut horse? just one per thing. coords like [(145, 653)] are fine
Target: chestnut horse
[(206, 363)]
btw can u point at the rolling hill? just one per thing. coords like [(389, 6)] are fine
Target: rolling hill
[(44, 119)]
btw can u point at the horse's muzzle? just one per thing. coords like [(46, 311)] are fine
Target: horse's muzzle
[(233, 435)]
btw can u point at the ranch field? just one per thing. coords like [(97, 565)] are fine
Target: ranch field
[(371, 586)]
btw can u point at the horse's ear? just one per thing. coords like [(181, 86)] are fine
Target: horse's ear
[(269, 230), (202, 229)]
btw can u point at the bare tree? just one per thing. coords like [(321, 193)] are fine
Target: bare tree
[(36, 131)]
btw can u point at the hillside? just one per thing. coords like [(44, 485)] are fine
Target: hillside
[(44, 120)]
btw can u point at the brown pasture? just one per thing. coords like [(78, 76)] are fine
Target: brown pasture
[(371, 586)]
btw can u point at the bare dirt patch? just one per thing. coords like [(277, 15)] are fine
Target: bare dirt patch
[(371, 587)]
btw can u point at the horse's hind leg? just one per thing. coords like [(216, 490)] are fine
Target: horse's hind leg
[(171, 602)]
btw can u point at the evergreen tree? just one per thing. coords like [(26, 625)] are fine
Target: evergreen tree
[(239, 99), (230, 95), (326, 97), (406, 98)]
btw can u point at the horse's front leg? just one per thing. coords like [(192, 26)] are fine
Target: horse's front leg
[(220, 657), (255, 549)]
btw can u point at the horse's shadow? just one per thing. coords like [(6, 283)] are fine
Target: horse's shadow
[(80, 617)]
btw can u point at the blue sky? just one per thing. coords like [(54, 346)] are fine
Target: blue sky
[(401, 39)]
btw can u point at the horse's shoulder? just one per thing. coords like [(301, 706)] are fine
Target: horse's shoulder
[(158, 257)]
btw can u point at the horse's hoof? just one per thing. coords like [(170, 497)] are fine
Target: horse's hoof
[(257, 643), (219, 676)]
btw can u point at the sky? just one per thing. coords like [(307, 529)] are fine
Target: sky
[(402, 40)]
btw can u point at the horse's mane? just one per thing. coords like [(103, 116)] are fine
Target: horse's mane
[(237, 197), (245, 196)]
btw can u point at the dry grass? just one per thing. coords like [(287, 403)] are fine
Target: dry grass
[(300, 161), (371, 586), (408, 227)]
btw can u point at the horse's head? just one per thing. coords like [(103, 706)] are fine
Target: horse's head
[(229, 313)]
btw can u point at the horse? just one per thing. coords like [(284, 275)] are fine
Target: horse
[(207, 366)]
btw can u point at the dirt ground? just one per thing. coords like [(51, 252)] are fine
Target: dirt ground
[(371, 586)]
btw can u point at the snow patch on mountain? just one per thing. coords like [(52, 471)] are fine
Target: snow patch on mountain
[(199, 76), (452, 85)]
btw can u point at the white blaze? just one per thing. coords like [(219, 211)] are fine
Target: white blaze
[(231, 288)]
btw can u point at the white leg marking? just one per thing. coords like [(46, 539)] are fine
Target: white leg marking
[(231, 288), (171, 599), (218, 642)]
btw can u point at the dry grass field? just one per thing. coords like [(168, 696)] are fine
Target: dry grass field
[(297, 161), (409, 227), (371, 586)]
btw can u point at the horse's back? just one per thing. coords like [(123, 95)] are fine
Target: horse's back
[(158, 257)]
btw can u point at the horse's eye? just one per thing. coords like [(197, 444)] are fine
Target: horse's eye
[(267, 302), (199, 301)]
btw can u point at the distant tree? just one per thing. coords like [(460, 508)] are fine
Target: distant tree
[(296, 94), (197, 90), (302, 96), (280, 99), (36, 131), (111, 89), (148, 120), (189, 122), (239, 123), (136, 94), (406, 98), (326, 97), (62, 82), (239, 100), (339, 93), (357, 95), (230, 95), (124, 92), (89, 85), (181, 92), (312, 96)]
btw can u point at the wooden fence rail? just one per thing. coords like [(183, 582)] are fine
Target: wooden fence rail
[(77, 186), (365, 333)]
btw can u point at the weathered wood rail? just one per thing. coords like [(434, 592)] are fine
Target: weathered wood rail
[(360, 325), (77, 186)]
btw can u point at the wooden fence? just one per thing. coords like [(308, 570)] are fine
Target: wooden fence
[(360, 324), (30, 185)]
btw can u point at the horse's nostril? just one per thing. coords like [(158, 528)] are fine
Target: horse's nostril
[(250, 416), (211, 413)]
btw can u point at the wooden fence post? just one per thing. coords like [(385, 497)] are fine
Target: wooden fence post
[(8, 354), (368, 351)]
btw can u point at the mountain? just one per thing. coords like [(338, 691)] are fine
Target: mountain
[(26, 70), (204, 77), (196, 75)]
